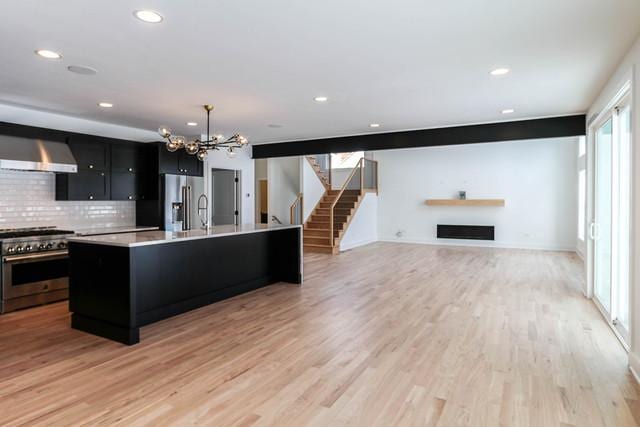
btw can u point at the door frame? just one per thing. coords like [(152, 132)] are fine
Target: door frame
[(238, 193), (622, 97)]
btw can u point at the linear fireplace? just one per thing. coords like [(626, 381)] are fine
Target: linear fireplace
[(466, 232)]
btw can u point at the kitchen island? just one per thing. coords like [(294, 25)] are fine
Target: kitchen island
[(121, 282)]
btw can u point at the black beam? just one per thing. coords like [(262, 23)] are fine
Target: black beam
[(554, 127)]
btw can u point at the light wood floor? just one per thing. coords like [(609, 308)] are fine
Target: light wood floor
[(383, 335)]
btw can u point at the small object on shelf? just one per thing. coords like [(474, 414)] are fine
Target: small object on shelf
[(463, 195)]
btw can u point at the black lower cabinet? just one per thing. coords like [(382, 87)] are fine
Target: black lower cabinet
[(113, 291), (83, 186)]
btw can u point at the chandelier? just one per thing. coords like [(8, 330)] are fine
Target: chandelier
[(201, 148)]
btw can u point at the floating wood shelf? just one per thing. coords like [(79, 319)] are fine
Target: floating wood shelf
[(466, 202)]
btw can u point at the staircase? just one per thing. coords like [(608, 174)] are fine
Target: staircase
[(323, 173), (328, 222), (316, 229)]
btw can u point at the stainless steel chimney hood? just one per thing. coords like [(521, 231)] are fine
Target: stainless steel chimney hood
[(35, 155)]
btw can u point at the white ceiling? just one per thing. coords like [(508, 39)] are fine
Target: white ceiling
[(406, 64)]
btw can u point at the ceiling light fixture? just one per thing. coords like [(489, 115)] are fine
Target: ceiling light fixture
[(374, 125), (321, 99), (148, 16), (508, 111), (192, 124), (81, 69), (500, 71), (105, 104), (201, 148), (49, 54)]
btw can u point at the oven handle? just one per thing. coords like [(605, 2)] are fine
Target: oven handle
[(17, 259)]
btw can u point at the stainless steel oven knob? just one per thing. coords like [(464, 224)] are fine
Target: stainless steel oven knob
[(49, 245), (11, 250), (62, 245), (28, 248), (42, 247), (19, 249)]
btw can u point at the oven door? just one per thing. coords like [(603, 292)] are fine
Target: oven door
[(31, 274)]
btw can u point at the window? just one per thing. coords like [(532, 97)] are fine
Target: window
[(346, 160), (582, 188)]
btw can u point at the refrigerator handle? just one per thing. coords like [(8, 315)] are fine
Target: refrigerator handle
[(186, 207)]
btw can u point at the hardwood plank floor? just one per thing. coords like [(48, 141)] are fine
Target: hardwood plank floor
[(383, 335)]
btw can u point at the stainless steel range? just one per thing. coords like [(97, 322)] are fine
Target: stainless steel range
[(34, 267)]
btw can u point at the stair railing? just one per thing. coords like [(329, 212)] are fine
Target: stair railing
[(295, 211), (364, 178), (323, 162)]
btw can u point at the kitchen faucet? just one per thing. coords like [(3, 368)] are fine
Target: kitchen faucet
[(205, 221)]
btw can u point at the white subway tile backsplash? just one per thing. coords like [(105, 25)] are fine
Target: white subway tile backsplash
[(27, 199)]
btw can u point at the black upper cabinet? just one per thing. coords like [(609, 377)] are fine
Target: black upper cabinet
[(92, 182), (189, 164), (125, 157), (124, 186), (91, 153), (179, 163), (86, 185)]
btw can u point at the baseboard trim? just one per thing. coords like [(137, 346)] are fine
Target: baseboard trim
[(477, 244), (634, 366), (356, 244)]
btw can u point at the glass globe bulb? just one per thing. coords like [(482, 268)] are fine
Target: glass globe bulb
[(164, 131), (179, 140), (172, 146), (242, 140), (202, 155), (231, 153), (192, 147)]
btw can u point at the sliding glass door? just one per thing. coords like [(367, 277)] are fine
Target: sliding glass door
[(610, 228), (601, 227)]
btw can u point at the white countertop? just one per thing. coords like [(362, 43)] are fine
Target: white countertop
[(158, 237), (91, 231)]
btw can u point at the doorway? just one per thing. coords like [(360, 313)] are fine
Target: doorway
[(224, 196), (263, 205), (610, 229)]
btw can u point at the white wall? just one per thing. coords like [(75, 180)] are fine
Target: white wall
[(537, 178), (312, 188), (284, 186), (242, 162), (628, 70), (363, 228)]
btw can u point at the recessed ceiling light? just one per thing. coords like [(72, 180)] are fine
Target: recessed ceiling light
[(500, 71), (374, 125), (105, 104), (508, 111), (148, 16), (192, 124), (81, 69), (49, 54), (321, 99)]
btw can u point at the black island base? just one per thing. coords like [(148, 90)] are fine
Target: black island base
[(119, 283)]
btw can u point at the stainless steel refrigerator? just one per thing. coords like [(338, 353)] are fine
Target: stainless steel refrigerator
[(180, 202)]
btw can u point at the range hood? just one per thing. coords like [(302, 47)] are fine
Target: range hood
[(35, 155)]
